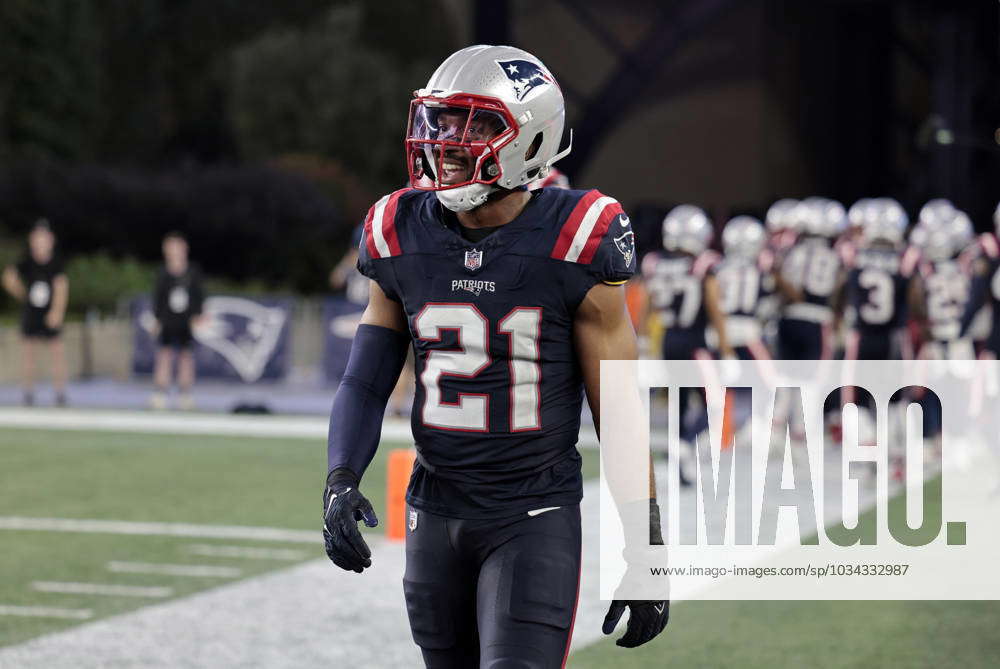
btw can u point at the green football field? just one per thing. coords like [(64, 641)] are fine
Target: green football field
[(276, 483), (768, 634)]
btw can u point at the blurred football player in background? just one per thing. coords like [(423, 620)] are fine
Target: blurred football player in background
[(39, 281), (746, 277), (878, 283), (813, 267), (942, 287), (684, 293), (178, 297), (985, 290)]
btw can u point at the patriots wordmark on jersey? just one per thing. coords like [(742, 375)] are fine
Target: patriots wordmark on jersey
[(497, 404)]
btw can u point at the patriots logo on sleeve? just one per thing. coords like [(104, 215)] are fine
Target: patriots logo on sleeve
[(524, 76), (626, 246)]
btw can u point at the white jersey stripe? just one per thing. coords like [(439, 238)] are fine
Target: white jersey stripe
[(586, 227), (377, 215)]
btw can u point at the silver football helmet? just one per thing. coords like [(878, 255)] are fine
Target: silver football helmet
[(936, 212), (886, 221), (861, 212), (490, 117), (743, 237), (687, 228), (779, 215), (821, 217)]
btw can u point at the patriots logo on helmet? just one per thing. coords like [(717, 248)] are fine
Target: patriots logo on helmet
[(524, 76), (626, 246)]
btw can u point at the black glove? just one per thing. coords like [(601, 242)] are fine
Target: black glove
[(646, 618), (343, 507)]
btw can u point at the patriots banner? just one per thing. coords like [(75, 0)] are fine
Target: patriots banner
[(340, 319), (239, 338)]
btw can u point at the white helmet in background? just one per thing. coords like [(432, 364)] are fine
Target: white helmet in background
[(780, 215), (887, 222), (861, 212), (936, 212), (743, 237), (489, 118), (822, 217), (687, 228)]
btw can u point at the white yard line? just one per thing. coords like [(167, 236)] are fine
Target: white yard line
[(309, 428), (312, 614), (249, 552), (108, 589), (93, 526), (45, 612), (194, 570)]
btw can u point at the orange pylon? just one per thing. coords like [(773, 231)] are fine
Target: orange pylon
[(397, 478), (728, 428)]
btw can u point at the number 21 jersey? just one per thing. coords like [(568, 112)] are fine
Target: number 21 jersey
[(496, 411)]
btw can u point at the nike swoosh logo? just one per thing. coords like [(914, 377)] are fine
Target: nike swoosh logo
[(658, 609), (537, 512)]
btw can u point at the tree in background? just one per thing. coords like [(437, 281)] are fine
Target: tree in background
[(327, 89), (50, 79)]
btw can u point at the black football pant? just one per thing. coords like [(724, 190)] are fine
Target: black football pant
[(494, 594)]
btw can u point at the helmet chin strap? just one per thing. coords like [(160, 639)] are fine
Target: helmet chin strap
[(465, 198)]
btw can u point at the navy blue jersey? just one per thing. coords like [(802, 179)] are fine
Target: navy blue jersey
[(496, 411), (946, 292), (876, 290), (744, 285), (675, 283)]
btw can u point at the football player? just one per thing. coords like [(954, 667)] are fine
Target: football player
[(814, 269), (985, 290), (39, 281), (781, 225), (942, 289), (746, 278), (683, 290), (877, 286), (510, 299)]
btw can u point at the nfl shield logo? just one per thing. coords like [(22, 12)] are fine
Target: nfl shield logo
[(473, 259), (413, 520)]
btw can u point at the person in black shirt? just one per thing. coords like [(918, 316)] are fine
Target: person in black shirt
[(177, 303), (40, 283)]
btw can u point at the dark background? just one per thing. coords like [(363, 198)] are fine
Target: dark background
[(264, 130)]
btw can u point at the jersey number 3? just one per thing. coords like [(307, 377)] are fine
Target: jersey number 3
[(471, 411)]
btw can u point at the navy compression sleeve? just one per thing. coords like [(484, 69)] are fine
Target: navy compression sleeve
[(377, 357)]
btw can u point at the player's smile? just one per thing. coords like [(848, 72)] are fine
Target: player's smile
[(456, 167)]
